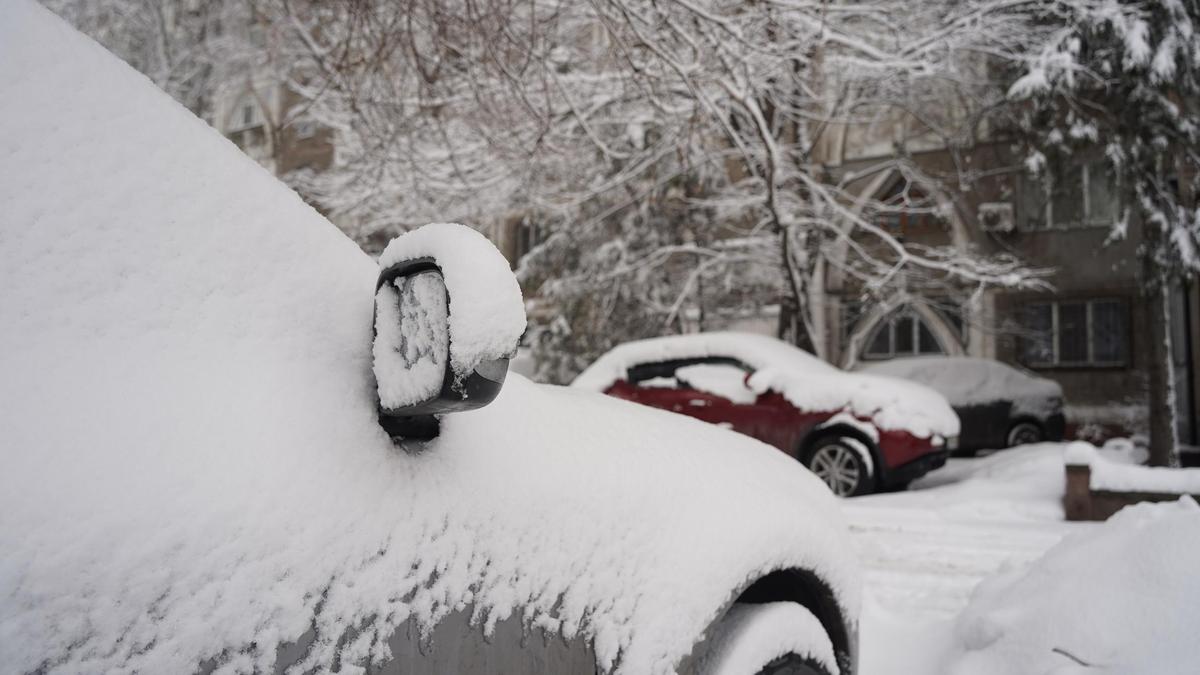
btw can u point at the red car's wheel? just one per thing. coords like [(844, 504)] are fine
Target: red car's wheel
[(838, 462)]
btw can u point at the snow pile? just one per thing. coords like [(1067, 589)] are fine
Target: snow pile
[(412, 340), (752, 636), (1123, 476), (192, 465), (805, 381), (1125, 451), (1119, 598), (487, 314), (926, 549), (717, 379), (966, 381)]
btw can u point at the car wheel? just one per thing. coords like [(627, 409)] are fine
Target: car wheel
[(775, 638), (1023, 433), (837, 462)]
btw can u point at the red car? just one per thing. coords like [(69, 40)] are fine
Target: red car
[(857, 432)]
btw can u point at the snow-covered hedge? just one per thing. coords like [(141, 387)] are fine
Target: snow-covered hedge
[(1116, 476)]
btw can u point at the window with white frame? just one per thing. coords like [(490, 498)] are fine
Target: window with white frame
[(1084, 196), (1089, 333)]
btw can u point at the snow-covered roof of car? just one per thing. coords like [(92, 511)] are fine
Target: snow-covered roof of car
[(965, 380), (192, 465), (806, 381)]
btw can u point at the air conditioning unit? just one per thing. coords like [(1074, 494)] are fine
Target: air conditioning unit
[(997, 217)]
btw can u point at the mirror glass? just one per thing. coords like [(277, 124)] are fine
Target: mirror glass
[(412, 339)]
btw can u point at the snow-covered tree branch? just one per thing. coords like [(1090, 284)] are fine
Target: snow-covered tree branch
[(1118, 85), (638, 133)]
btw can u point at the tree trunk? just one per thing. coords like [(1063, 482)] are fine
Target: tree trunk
[(798, 313), (1163, 441)]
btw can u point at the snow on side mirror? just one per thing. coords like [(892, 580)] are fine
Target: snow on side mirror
[(448, 317)]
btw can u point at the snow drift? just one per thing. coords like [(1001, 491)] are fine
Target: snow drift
[(1121, 598), (192, 467), (805, 381)]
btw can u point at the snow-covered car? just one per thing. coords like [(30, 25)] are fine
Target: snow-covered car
[(858, 433), (999, 406), (199, 464)]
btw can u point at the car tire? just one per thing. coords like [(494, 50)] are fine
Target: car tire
[(775, 638), (1024, 433), (839, 464)]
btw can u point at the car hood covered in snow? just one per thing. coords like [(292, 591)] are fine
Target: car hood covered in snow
[(192, 468), (805, 381)]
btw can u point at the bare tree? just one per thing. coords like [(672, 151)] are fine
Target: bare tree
[(668, 147), (186, 48), (675, 153)]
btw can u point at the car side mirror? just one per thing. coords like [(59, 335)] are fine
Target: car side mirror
[(448, 317)]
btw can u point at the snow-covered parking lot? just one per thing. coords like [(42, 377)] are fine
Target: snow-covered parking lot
[(925, 552)]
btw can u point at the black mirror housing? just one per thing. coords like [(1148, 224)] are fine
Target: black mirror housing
[(419, 376)]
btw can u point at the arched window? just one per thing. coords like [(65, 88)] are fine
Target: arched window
[(246, 128), (904, 333), (246, 113)]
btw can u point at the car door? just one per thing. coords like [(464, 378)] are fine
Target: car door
[(713, 390), (656, 385)]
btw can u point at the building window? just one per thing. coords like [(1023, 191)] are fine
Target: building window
[(1084, 197), (245, 114), (1090, 333), (904, 333), (529, 235)]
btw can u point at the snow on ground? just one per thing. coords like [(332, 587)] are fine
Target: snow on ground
[(1119, 598), (924, 551)]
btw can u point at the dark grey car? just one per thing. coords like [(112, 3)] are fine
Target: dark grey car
[(999, 406)]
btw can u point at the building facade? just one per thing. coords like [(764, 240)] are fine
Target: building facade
[(1088, 332)]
